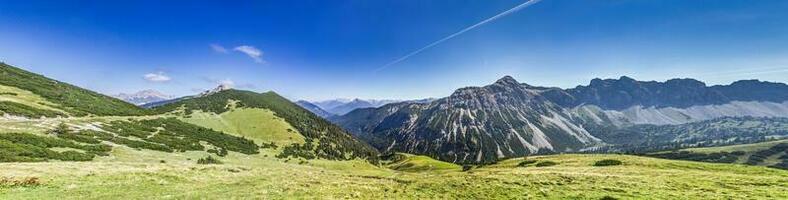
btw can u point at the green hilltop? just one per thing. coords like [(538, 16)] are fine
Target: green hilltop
[(322, 138)]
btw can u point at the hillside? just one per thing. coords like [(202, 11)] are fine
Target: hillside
[(321, 138), (572, 177), (55, 96), (315, 109), (771, 154)]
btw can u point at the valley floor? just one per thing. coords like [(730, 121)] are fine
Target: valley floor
[(135, 174)]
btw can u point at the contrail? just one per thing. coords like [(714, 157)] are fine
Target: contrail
[(488, 20)]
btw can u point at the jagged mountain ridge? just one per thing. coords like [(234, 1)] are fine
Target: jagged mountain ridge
[(343, 106), (473, 125), (625, 92), (508, 118), (143, 97)]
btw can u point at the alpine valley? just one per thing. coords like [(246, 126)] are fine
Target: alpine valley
[(618, 138)]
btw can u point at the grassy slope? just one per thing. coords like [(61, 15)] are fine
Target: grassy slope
[(256, 176), (16, 95), (332, 141), (76, 101), (417, 163), (749, 149), (261, 125), (743, 147)]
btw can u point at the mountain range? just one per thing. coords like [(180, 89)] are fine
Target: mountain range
[(336, 107), (143, 97), (510, 119), (343, 106)]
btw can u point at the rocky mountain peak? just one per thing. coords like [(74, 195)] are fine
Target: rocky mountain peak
[(508, 81), (143, 97), (221, 87)]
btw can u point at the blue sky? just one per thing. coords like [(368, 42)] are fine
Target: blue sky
[(332, 49)]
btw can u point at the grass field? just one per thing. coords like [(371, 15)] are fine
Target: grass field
[(261, 125), (133, 174), (416, 163), (742, 147), (129, 173)]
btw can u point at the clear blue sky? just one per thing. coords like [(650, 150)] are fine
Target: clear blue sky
[(331, 49)]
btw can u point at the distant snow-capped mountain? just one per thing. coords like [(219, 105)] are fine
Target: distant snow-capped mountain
[(143, 97)]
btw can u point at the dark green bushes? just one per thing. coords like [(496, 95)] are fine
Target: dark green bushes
[(525, 163), (23, 147), (716, 157), (169, 135), (208, 160), (13, 108), (760, 156), (546, 163), (305, 151), (607, 162)]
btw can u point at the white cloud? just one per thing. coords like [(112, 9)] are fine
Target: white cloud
[(157, 77), (251, 51), (227, 82), (218, 48)]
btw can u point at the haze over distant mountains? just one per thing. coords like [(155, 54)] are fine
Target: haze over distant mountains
[(334, 107)]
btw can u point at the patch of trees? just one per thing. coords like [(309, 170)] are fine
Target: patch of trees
[(546, 163), (640, 139), (716, 157), (208, 161), (25, 147), (525, 163), (169, 135), (783, 164), (607, 162), (760, 156), (18, 109)]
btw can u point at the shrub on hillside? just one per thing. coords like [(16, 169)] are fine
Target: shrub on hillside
[(208, 160), (13, 108), (607, 162), (526, 163), (546, 163)]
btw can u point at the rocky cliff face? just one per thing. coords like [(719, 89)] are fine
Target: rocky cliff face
[(625, 92), (510, 119), (473, 125)]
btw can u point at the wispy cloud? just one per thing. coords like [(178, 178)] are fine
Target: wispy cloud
[(488, 20), (158, 77), (227, 82), (251, 51), (218, 48), (230, 83)]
